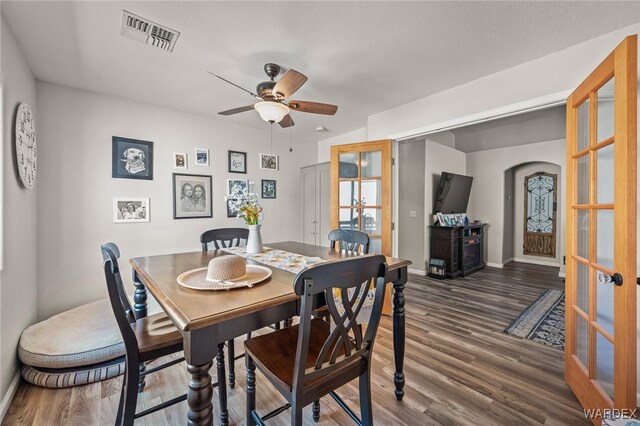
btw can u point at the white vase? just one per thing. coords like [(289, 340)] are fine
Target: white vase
[(254, 242)]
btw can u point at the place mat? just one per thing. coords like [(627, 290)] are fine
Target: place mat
[(280, 259), (196, 279), (294, 263)]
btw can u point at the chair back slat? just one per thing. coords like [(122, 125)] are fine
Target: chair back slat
[(223, 238), (118, 296), (349, 240), (351, 279)]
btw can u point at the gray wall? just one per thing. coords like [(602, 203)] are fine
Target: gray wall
[(411, 165), (76, 187), (18, 280), (507, 238), (518, 225)]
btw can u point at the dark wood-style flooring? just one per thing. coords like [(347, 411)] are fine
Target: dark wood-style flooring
[(461, 368)]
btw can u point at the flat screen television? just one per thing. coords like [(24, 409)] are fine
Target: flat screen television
[(453, 193)]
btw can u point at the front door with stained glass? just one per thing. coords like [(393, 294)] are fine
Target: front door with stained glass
[(540, 214)]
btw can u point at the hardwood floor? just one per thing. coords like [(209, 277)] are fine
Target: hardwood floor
[(460, 367)]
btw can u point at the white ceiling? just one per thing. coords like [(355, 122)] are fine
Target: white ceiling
[(366, 57)]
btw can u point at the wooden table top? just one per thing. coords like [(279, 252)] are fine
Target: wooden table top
[(192, 309)]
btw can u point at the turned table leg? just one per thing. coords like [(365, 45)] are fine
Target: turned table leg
[(139, 297), (399, 331), (199, 395)]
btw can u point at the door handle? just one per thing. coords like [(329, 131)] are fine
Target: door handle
[(615, 278)]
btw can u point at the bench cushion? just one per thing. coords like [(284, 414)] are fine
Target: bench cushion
[(84, 335), (76, 376)]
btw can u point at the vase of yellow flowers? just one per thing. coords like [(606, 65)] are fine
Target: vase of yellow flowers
[(246, 203)]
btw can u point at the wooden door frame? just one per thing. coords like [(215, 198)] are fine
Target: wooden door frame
[(621, 63), (385, 146)]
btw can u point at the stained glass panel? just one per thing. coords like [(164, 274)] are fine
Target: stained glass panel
[(540, 208)]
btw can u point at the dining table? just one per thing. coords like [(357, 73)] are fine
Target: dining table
[(206, 319)]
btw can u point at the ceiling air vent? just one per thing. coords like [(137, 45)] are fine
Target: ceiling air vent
[(140, 29)]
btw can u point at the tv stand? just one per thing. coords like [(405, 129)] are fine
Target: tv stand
[(461, 247)]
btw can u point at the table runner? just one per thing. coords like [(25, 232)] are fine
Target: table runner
[(294, 263)]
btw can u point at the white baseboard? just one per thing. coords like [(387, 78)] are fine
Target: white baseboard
[(536, 262), (8, 397), (495, 265), (507, 261), (417, 272)]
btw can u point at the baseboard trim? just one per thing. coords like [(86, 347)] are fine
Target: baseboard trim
[(417, 271), (536, 262), (8, 397), (495, 265), (507, 261)]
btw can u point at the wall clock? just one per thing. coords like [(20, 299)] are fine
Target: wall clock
[(26, 152)]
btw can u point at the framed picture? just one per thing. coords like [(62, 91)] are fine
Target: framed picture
[(232, 210), (236, 185), (131, 158), (130, 210), (202, 157), (441, 220), (269, 161), (237, 162), (268, 188), (458, 219), (179, 160), (191, 196), (447, 220)]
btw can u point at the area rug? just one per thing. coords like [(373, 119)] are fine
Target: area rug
[(543, 321)]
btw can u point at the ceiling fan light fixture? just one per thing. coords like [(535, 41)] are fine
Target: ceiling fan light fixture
[(272, 112)]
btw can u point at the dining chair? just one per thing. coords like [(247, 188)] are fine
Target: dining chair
[(308, 360), (145, 339), (349, 240), (223, 238)]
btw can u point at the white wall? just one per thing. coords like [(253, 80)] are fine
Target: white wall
[(487, 200), (76, 188), (439, 158), (324, 146), (18, 280), (518, 226), (507, 235), (411, 193)]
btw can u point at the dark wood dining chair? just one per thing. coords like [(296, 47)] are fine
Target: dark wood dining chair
[(349, 240), (223, 238), (145, 339), (306, 361)]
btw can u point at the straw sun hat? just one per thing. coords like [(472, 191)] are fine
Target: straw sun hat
[(224, 273)]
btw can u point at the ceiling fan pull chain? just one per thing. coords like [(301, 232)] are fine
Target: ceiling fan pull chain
[(271, 147), (290, 139)]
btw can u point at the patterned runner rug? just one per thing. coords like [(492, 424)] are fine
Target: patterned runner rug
[(543, 321)]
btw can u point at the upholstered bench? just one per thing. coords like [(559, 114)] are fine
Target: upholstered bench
[(76, 347)]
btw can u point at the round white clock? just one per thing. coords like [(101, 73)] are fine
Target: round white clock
[(26, 152)]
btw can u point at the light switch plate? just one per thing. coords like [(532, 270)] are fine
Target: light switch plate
[(412, 213)]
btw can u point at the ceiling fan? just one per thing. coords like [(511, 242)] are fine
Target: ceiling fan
[(272, 106)]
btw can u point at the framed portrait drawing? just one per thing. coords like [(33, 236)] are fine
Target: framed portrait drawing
[(237, 185), (179, 160), (131, 158), (191, 196), (202, 157), (269, 161), (237, 162), (232, 210), (130, 210), (268, 188)]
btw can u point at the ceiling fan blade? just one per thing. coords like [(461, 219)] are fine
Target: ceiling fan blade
[(287, 121), (233, 84), (313, 107), (236, 110), (291, 81)]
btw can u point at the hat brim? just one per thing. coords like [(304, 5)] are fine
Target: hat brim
[(196, 279)]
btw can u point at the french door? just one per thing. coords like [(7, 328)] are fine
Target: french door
[(361, 191), (600, 353)]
